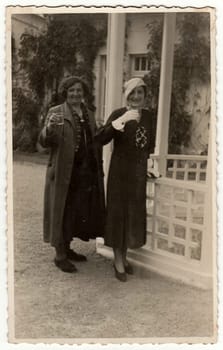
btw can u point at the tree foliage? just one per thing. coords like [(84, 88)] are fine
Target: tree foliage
[(25, 122), (70, 43), (191, 63)]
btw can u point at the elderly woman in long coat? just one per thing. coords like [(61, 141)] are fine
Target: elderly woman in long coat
[(74, 194)]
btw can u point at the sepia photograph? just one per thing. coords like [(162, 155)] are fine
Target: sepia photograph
[(111, 153)]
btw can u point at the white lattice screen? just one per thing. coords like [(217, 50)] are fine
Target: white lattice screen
[(175, 217)]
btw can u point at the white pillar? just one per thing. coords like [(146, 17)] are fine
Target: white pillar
[(115, 58), (114, 85), (114, 73), (166, 73)]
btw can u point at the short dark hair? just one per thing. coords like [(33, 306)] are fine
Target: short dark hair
[(67, 82)]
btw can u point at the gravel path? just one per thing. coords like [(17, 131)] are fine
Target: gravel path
[(91, 303)]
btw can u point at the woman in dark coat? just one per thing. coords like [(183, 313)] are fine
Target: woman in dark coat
[(131, 130), (74, 195)]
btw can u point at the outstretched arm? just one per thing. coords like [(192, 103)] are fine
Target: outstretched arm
[(50, 134)]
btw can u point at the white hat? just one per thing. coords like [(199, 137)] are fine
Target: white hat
[(131, 84)]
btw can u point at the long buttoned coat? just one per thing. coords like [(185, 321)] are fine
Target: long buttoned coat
[(62, 142), (126, 186)]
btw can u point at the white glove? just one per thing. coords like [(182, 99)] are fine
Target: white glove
[(132, 114), (119, 124)]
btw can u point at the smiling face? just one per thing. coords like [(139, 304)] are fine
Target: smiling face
[(75, 94), (136, 98)]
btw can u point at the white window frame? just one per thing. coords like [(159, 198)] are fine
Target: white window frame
[(138, 72)]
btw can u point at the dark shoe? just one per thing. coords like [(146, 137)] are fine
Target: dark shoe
[(121, 276), (129, 269), (65, 265), (71, 255)]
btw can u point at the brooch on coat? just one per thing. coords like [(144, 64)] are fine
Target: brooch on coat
[(141, 138)]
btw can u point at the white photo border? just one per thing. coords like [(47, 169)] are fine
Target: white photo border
[(218, 5)]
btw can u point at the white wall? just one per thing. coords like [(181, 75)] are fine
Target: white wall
[(137, 37), (137, 32)]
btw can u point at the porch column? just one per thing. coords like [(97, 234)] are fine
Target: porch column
[(166, 72), (114, 73), (114, 84)]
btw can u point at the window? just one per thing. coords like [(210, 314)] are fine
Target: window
[(140, 65)]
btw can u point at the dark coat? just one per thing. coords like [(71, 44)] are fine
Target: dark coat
[(62, 143), (126, 187)]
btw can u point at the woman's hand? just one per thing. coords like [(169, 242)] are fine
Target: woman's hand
[(119, 123), (54, 120), (132, 114)]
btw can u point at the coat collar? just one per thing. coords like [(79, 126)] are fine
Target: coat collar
[(68, 115)]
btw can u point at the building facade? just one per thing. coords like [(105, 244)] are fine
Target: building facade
[(136, 64)]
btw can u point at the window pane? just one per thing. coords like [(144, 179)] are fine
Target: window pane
[(143, 63), (148, 64), (137, 63)]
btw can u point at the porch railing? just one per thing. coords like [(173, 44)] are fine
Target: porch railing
[(175, 218), (185, 167), (178, 239)]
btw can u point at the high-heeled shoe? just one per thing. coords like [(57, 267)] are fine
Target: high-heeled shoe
[(129, 269), (121, 276)]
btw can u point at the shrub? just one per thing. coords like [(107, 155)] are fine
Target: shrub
[(25, 121)]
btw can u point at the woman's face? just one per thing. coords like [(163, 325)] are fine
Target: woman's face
[(75, 94), (136, 98)]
